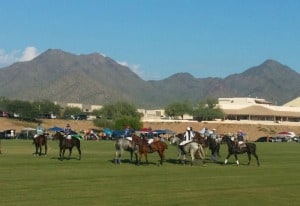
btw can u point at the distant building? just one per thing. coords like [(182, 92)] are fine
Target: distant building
[(293, 103), (257, 109)]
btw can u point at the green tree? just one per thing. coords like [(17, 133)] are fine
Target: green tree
[(118, 115), (179, 109), (47, 107), (72, 111), (207, 110)]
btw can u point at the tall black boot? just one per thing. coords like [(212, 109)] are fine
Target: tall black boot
[(181, 149)]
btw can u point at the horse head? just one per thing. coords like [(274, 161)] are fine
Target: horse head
[(176, 139), (58, 136)]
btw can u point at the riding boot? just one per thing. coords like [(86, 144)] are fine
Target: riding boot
[(182, 150)]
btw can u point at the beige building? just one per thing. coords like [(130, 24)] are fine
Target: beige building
[(257, 109)]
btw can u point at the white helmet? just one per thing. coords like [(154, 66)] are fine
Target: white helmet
[(188, 128)]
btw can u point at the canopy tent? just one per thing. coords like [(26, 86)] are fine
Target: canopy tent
[(108, 131), (56, 129), (28, 132)]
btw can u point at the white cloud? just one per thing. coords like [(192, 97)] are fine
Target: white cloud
[(8, 58), (133, 67), (29, 53), (136, 68)]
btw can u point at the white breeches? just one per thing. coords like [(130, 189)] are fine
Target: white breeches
[(185, 142)]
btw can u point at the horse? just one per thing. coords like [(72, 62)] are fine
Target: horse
[(214, 146), (40, 141), (124, 145), (208, 142), (67, 144), (250, 149), (191, 148), (144, 148)]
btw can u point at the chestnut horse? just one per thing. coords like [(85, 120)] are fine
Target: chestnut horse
[(40, 141), (67, 144), (144, 148)]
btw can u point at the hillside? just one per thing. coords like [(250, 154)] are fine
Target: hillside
[(60, 76)]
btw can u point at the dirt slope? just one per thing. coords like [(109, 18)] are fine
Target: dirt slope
[(253, 130)]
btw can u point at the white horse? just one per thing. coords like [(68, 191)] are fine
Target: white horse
[(191, 148), (124, 145)]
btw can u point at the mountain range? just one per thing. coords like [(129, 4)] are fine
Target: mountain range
[(60, 76)]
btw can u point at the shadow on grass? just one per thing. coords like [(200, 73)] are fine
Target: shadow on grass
[(65, 158)]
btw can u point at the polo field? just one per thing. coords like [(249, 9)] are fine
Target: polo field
[(95, 179)]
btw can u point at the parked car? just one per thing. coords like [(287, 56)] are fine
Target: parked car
[(8, 134), (81, 117), (264, 139)]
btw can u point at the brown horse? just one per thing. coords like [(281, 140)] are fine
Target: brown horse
[(67, 144), (144, 148), (40, 141)]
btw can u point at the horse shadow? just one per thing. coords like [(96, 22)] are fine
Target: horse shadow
[(124, 161), (186, 162), (65, 158)]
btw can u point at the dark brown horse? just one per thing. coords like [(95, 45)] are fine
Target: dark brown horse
[(67, 144), (40, 141), (250, 149), (144, 148)]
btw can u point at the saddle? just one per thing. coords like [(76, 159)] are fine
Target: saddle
[(241, 146)]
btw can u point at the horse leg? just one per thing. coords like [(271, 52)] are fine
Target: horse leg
[(249, 158), (183, 159), (146, 157), (256, 157), (117, 157), (79, 152), (136, 157), (161, 155), (226, 160), (131, 155), (201, 154), (70, 152), (46, 148), (36, 150), (140, 157), (61, 153), (192, 158), (236, 160)]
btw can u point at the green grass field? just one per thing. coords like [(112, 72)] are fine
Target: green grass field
[(96, 180)]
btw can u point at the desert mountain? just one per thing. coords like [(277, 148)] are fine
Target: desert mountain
[(60, 76)]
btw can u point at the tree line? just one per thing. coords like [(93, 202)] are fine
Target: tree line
[(115, 115)]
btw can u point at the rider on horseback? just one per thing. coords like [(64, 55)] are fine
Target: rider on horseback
[(127, 132), (39, 130), (214, 135), (189, 135), (240, 139), (68, 131)]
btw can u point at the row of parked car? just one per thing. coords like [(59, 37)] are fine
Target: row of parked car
[(278, 139)]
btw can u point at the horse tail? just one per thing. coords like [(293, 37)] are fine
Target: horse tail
[(201, 152)]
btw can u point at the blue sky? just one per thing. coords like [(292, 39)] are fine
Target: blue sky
[(156, 38)]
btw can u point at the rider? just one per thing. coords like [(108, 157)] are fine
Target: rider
[(68, 131), (39, 130), (214, 135), (240, 139), (206, 132), (127, 132), (188, 137)]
